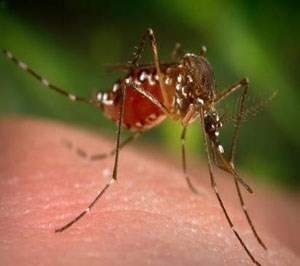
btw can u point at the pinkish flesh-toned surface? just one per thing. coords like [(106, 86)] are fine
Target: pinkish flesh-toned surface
[(149, 217)]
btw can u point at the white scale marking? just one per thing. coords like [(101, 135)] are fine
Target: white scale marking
[(221, 149), (115, 87), (189, 55), (199, 100), (137, 82), (22, 65), (184, 92), (178, 101), (152, 116), (99, 96), (215, 189), (168, 81), (179, 78), (9, 54), (143, 76), (108, 102), (138, 124), (111, 181), (104, 96), (72, 97), (151, 80), (128, 80), (45, 82), (190, 78)]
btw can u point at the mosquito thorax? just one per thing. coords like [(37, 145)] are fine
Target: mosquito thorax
[(199, 70)]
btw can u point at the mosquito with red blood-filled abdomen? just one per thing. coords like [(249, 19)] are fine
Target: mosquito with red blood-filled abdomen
[(183, 91)]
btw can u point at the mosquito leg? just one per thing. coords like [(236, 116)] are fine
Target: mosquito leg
[(231, 160), (177, 52), (99, 156), (242, 203), (185, 122), (118, 141), (224, 93), (150, 97), (203, 50), (187, 178), (134, 63), (44, 81), (115, 169), (237, 125), (214, 186), (150, 34)]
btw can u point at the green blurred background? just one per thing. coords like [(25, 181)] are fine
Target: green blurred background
[(71, 42)]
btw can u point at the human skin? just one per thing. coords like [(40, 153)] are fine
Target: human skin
[(148, 217)]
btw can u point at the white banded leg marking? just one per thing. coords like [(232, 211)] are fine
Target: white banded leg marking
[(22, 65), (103, 97), (72, 97), (139, 124), (111, 181), (45, 82), (8, 54)]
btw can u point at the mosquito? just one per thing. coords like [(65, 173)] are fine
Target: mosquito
[(184, 91)]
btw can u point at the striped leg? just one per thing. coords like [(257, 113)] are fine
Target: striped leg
[(44, 81), (114, 175), (72, 97), (231, 160), (242, 202), (187, 178), (228, 166), (177, 52), (99, 156), (214, 186), (150, 35), (224, 93), (118, 141), (134, 63)]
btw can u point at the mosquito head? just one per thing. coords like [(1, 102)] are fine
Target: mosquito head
[(200, 72)]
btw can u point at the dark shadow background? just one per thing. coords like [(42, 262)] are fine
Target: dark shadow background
[(71, 42)]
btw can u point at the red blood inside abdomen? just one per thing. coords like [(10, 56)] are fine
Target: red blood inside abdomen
[(137, 107)]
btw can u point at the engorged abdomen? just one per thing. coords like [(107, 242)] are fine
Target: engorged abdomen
[(140, 113)]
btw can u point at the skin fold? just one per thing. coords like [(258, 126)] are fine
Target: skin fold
[(148, 217)]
